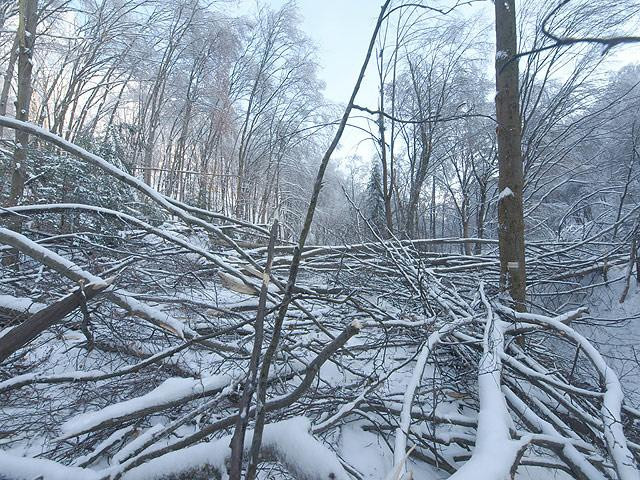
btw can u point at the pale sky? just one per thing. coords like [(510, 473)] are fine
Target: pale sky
[(341, 30)]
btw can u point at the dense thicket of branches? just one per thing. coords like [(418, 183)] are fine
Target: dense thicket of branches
[(171, 307), (438, 168), (214, 110), (226, 113)]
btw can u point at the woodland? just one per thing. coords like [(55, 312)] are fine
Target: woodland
[(197, 282)]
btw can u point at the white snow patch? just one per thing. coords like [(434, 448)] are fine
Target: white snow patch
[(495, 451), (365, 451), (289, 440), (27, 468), (20, 304), (172, 389), (507, 192), (137, 442), (501, 55)]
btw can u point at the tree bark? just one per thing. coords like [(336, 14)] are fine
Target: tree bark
[(242, 420), (464, 214), (510, 181), (28, 19), (386, 187), (22, 334), (480, 217), (386, 183), (8, 77), (432, 219), (627, 277)]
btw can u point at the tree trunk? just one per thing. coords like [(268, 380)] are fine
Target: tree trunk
[(8, 77), (386, 180), (412, 207), (24, 333), (26, 40), (386, 187), (432, 220), (416, 187), (510, 181), (637, 254), (480, 217), (465, 224)]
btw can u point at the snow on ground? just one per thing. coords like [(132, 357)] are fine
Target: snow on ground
[(22, 468), (615, 331), (172, 389), (289, 441), (365, 451)]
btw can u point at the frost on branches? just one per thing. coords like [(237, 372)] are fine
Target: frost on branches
[(196, 281)]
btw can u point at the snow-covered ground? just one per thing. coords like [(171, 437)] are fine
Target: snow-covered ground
[(386, 383), (615, 329)]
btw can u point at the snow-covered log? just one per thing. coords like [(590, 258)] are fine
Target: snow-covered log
[(496, 454)]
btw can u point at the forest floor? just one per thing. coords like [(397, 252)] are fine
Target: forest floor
[(404, 304)]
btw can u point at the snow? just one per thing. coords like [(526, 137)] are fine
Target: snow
[(171, 390), (400, 446), (25, 468), (611, 410), (109, 168), (159, 317), (495, 452), (617, 340), (501, 55), (365, 451), (74, 272), (570, 452), (139, 441), (612, 401), (27, 378), (20, 304), (38, 251), (507, 192), (343, 410), (289, 441), (112, 439)]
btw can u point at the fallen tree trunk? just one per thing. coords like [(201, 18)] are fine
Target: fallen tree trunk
[(24, 333)]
